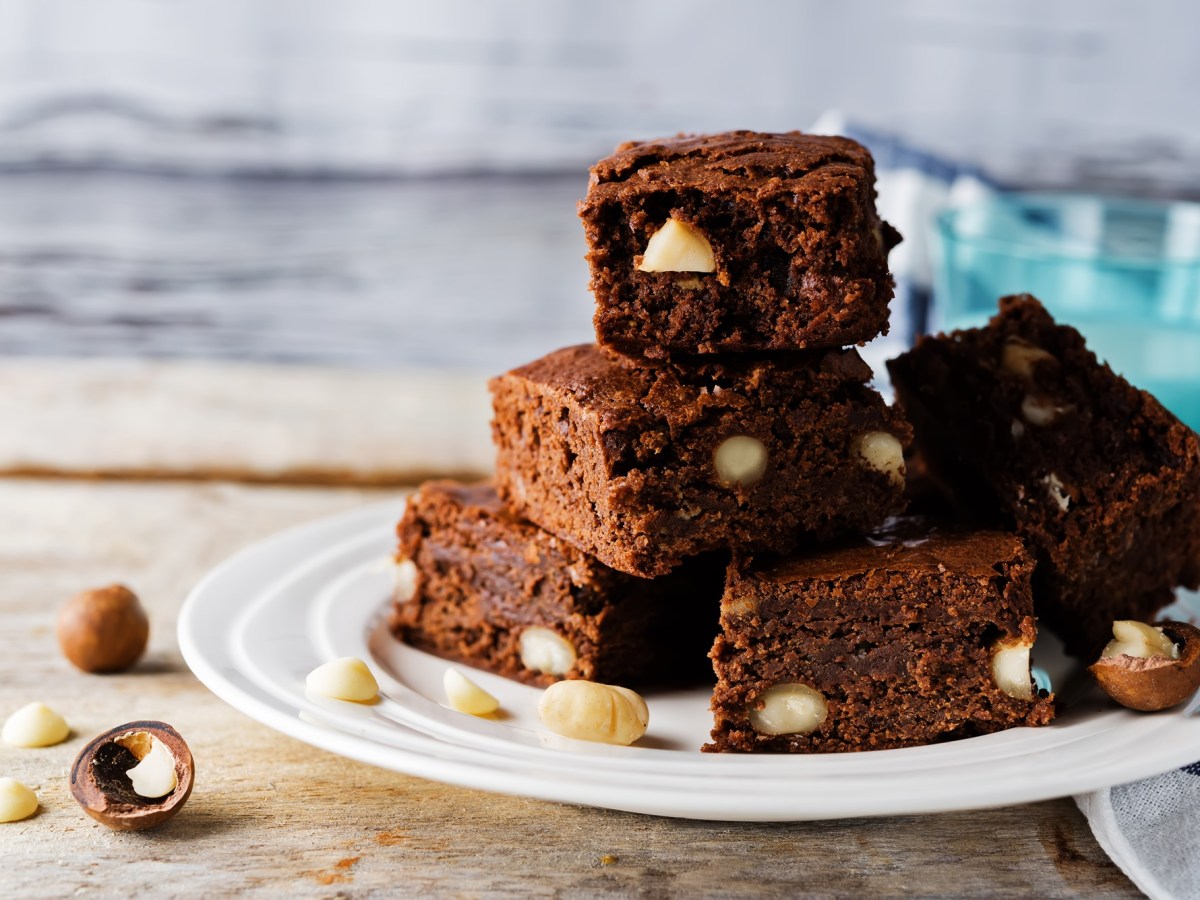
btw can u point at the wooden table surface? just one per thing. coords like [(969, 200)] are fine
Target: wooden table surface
[(271, 816)]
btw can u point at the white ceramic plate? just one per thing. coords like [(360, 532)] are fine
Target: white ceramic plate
[(255, 626)]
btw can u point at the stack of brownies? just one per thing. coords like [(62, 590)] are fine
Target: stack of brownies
[(718, 467)]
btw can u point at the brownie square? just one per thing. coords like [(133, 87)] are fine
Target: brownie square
[(482, 587), (644, 466), (1102, 482), (898, 642), (760, 242)]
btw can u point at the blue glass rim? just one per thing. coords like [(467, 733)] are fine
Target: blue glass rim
[(1029, 247)]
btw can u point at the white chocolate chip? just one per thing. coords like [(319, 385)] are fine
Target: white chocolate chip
[(589, 711), (1054, 488), (546, 651), (740, 459), (35, 725), (1010, 669), (1019, 357), (1041, 411), (347, 678), (17, 802), (1140, 640), (788, 708), (1018, 428), (883, 452), (465, 696), (154, 775), (678, 247), (404, 580)]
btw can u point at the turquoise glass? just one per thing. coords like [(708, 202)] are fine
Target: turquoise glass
[(1126, 273)]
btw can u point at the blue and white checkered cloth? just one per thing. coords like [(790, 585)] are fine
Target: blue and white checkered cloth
[(1150, 828)]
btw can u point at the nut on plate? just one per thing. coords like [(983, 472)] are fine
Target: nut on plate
[(133, 776), (103, 630), (1147, 667), (345, 678), (589, 711)]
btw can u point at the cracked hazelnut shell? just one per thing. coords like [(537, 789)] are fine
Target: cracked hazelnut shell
[(1153, 683), (99, 783), (103, 630)]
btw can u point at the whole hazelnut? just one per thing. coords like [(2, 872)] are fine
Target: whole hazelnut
[(103, 630), (133, 776), (1149, 668)]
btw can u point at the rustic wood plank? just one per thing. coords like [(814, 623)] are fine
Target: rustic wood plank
[(156, 419), (273, 817)]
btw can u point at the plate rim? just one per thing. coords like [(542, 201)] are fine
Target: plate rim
[(335, 734)]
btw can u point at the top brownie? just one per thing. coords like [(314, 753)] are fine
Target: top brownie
[(1027, 427), (734, 242)]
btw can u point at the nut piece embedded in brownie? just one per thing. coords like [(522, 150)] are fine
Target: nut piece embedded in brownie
[(905, 640), (645, 466), (736, 241), (1101, 481), (478, 585)]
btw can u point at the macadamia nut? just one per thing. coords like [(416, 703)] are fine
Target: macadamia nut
[(678, 247), (1139, 640), (788, 708), (1057, 492), (134, 776), (1019, 357), (883, 452), (17, 801), (1150, 667), (154, 775), (1041, 411), (740, 459), (1010, 669), (546, 651), (103, 630), (404, 580), (589, 711), (465, 696), (347, 678), (35, 725)]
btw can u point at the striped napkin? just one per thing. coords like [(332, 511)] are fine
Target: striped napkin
[(1151, 829)]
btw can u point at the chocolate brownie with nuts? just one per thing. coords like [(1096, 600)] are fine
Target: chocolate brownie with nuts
[(914, 637), (1101, 481), (734, 242), (478, 585), (644, 466)]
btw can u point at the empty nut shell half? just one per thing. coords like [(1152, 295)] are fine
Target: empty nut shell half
[(1157, 682), (101, 784)]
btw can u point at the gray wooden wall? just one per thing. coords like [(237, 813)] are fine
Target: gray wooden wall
[(1042, 92)]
